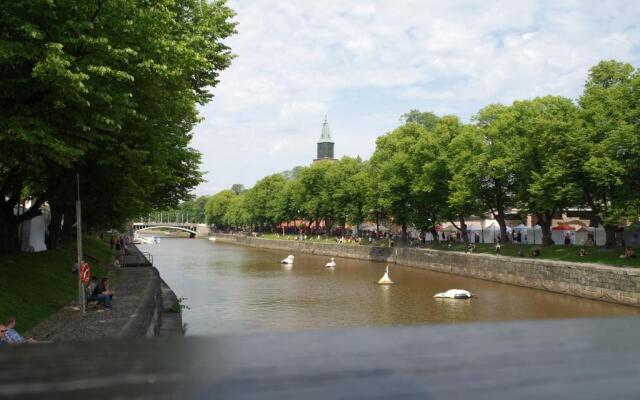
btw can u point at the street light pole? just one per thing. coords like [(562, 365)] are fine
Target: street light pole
[(79, 241)]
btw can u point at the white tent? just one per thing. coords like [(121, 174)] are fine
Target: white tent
[(490, 232), (534, 235), (474, 231), (33, 233), (522, 228)]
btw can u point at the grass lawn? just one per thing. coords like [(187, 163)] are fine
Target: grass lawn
[(311, 238), (35, 285), (599, 255)]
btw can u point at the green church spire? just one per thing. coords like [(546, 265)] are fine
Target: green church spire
[(325, 144), (325, 136)]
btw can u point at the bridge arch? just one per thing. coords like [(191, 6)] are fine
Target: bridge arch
[(178, 228)]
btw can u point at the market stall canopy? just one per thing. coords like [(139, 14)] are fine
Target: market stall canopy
[(563, 227)]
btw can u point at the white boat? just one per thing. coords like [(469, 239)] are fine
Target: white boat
[(288, 260), (385, 280), (147, 240), (330, 264), (213, 239), (454, 294)]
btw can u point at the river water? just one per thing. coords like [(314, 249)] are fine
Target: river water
[(236, 289)]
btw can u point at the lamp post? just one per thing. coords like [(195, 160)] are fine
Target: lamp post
[(81, 302)]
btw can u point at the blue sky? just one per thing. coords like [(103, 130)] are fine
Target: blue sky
[(365, 63)]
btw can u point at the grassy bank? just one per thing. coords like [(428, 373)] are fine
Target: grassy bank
[(35, 285), (598, 255)]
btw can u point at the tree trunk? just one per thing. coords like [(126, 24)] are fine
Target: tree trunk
[(404, 233), (54, 227), (610, 231), (463, 229), (504, 238), (500, 217), (434, 234), (8, 232), (544, 220)]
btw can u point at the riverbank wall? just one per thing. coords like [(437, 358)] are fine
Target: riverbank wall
[(157, 312), (593, 281)]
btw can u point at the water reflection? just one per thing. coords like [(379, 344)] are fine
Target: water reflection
[(233, 289)]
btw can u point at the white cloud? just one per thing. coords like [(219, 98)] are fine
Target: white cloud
[(367, 62)]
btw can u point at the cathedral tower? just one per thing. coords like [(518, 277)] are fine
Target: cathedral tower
[(325, 144)]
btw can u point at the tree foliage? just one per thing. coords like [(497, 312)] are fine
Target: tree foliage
[(539, 157), (107, 89)]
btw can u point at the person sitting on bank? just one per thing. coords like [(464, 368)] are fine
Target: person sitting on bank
[(91, 287), (629, 253), (11, 336), (535, 252), (102, 293), (582, 252)]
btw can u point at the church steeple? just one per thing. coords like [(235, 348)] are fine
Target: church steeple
[(325, 135), (325, 144)]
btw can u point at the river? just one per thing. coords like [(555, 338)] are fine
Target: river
[(235, 289)]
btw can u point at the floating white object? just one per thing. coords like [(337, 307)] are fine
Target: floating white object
[(146, 240), (288, 260), (330, 264), (385, 279), (213, 239), (454, 294)]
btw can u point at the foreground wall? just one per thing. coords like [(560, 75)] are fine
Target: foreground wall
[(600, 282)]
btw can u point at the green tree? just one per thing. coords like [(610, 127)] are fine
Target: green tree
[(426, 119), (544, 127), (262, 200), (238, 215), (347, 189), (217, 207), (108, 89), (238, 188), (392, 175), (610, 143), (313, 194), (496, 154)]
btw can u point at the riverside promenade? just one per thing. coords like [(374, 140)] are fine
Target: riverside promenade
[(142, 306)]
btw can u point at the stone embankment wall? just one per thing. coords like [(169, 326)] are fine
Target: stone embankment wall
[(153, 315), (593, 281)]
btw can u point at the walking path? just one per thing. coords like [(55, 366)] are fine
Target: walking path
[(139, 303), (67, 324)]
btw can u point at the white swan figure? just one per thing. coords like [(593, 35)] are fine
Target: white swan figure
[(330, 264), (454, 294), (385, 279), (288, 260)]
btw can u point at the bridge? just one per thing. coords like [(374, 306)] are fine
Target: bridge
[(192, 228)]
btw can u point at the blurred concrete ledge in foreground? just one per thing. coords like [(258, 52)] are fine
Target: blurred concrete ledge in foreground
[(568, 359)]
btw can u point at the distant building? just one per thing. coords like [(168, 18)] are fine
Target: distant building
[(325, 144)]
